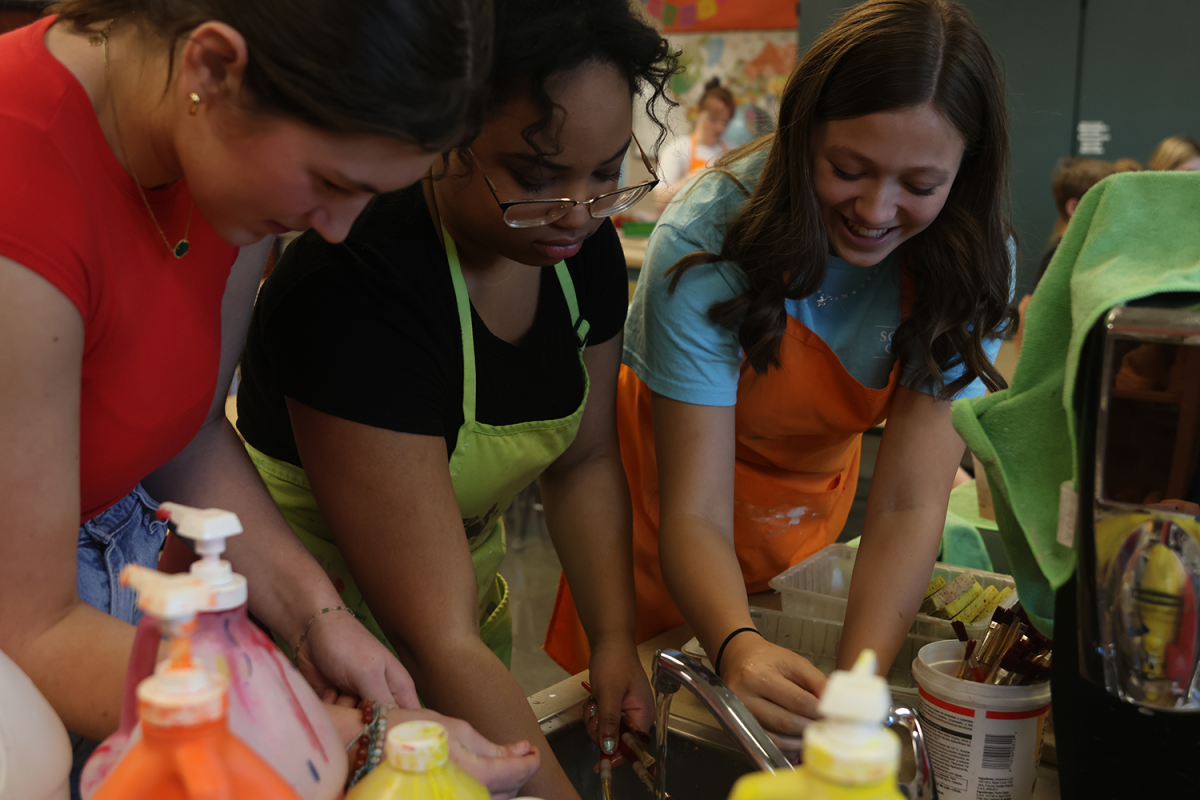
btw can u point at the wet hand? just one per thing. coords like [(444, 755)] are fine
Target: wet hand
[(344, 662), (619, 685), (779, 687)]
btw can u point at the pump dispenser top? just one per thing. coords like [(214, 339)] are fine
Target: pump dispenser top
[(181, 691), (850, 744), (208, 528)]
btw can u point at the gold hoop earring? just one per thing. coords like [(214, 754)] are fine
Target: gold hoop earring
[(195, 98)]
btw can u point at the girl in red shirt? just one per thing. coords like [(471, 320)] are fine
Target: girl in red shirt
[(149, 157)]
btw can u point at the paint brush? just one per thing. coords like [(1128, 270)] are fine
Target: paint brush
[(966, 661), (631, 741), (606, 777), (643, 775)]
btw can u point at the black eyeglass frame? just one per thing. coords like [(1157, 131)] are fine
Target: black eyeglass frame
[(569, 204)]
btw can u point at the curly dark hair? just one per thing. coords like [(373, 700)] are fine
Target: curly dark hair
[(884, 55), (536, 39), (407, 69)]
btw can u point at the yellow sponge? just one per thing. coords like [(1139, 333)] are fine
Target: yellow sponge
[(935, 585), (961, 602), (947, 594), (972, 610), (986, 612)]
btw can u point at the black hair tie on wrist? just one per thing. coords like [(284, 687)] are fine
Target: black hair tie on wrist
[(724, 644)]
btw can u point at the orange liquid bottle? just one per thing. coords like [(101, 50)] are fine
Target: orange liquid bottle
[(187, 751), (272, 708)]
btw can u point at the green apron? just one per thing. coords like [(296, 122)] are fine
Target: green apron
[(489, 466)]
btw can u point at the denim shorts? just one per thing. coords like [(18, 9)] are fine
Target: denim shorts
[(127, 533)]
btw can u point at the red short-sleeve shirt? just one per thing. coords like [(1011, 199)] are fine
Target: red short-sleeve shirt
[(152, 323)]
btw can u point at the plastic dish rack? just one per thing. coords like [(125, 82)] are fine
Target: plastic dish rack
[(817, 589), (817, 641)]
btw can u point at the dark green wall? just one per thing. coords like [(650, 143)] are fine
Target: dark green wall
[(1139, 72)]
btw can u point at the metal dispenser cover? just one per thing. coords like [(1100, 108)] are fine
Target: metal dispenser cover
[(1139, 564)]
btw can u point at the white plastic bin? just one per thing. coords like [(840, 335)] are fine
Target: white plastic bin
[(817, 641), (817, 588)]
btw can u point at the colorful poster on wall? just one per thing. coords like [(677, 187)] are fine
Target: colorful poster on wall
[(753, 66), (689, 16)]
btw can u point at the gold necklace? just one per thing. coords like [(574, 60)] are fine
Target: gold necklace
[(183, 245)]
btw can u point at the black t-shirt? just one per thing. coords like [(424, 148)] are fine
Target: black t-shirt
[(368, 331)]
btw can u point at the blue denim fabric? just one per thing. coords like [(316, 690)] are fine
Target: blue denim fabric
[(127, 533)]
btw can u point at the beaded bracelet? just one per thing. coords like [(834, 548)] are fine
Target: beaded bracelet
[(311, 620), (362, 742), (370, 742)]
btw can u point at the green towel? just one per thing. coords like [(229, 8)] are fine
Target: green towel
[(962, 545), (1133, 235)]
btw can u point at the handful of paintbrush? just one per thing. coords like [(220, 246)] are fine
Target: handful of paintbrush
[(633, 747), (1011, 653)]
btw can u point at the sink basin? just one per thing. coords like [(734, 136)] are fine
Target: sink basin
[(700, 765)]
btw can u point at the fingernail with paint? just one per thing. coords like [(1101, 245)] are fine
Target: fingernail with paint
[(609, 746)]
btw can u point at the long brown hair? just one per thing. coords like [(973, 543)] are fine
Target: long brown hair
[(407, 69), (883, 55)]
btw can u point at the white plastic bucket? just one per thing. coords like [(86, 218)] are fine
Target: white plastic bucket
[(984, 741)]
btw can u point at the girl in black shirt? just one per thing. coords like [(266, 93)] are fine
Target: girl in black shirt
[(401, 387)]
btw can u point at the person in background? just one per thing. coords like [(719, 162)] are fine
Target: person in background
[(1072, 178), (151, 150), (685, 156), (1128, 165), (857, 265), (400, 388), (1180, 153)]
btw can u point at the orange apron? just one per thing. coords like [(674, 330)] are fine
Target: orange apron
[(695, 163), (799, 437)]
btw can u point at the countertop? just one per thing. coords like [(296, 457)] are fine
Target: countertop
[(689, 713)]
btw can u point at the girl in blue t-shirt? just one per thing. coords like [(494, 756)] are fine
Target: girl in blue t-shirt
[(855, 266)]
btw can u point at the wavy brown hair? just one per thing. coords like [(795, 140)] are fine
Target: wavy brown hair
[(883, 55)]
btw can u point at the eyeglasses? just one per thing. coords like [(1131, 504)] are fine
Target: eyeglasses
[(534, 213)]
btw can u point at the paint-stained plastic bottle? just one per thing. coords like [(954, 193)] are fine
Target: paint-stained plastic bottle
[(417, 766), (271, 706), (186, 750), (848, 754)]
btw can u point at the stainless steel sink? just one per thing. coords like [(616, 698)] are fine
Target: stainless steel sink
[(703, 762)]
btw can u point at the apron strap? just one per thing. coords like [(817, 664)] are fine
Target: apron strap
[(581, 325), (463, 303), (466, 329)]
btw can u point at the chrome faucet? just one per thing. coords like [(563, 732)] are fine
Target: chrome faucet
[(673, 669)]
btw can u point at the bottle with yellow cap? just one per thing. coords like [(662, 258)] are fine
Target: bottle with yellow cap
[(848, 754), (417, 766)]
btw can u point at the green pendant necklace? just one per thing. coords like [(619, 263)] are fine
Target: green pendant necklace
[(180, 249)]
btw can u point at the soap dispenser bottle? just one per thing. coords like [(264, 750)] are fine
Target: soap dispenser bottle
[(271, 706), (186, 750), (848, 754)]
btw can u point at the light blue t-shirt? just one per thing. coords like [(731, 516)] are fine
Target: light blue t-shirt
[(679, 352)]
